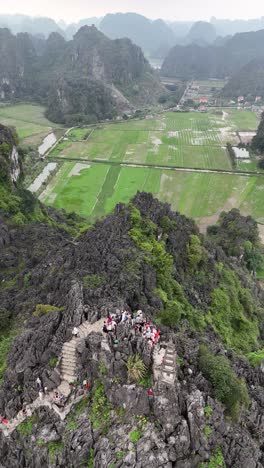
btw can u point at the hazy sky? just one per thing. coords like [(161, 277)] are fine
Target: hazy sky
[(72, 10)]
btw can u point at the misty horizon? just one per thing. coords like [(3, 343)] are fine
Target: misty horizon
[(192, 11)]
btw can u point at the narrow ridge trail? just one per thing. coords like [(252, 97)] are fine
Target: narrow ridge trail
[(67, 374)]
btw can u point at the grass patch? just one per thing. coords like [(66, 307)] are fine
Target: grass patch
[(216, 461), (120, 455), (100, 407), (256, 358), (26, 427), (135, 436), (6, 340), (90, 463), (146, 380), (207, 431), (53, 361), (44, 309), (54, 448), (93, 281), (78, 134), (77, 410), (208, 411)]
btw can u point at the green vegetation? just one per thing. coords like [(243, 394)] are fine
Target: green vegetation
[(207, 431), (29, 121), (54, 448), (256, 358), (53, 361), (208, 411), (136, 369), (40, 443), (227, 387), (100, 407), (7, 335), (217, 460), (26, 280), (232, 313), (60, 147), (77, 410), (44, 309), (135, 435), (102, 369), (144, 234), (93, 281), (146, 380), (25, 428), (90, 463), (78, 134), (120, 455)]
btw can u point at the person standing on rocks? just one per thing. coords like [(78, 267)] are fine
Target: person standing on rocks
[(150, 397), (39, 383), (75, 332)]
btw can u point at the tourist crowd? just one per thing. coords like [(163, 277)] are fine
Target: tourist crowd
[(137, 322)]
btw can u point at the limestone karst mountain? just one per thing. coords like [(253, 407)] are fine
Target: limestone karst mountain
[(86, 79)]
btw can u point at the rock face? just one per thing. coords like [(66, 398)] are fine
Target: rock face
[(100, 272), (10, 164), (76, 78)]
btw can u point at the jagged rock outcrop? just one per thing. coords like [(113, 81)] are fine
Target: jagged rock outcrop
[(10, 163)]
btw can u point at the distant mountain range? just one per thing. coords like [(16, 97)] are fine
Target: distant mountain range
[(154, 37), (214, 61), (83, 80)]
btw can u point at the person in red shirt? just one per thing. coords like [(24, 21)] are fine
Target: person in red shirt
[(3, 420)]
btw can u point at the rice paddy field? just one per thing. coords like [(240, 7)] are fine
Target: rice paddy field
[(29, 121), (108, 164)]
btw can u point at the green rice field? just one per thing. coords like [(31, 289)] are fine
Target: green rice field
[(170, 139), (94, 176), (29, 121)]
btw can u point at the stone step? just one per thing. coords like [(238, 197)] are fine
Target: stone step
[(168, 367), (69, 346), (71, 359), (68, 377), (83, 334), (68, 367), (69, 355), (168, 362), (68, 362), (69, 352), (168, 372), (169, 357)]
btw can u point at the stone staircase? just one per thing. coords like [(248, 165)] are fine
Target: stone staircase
[(68, 360), (67, 371), (164, 364)]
